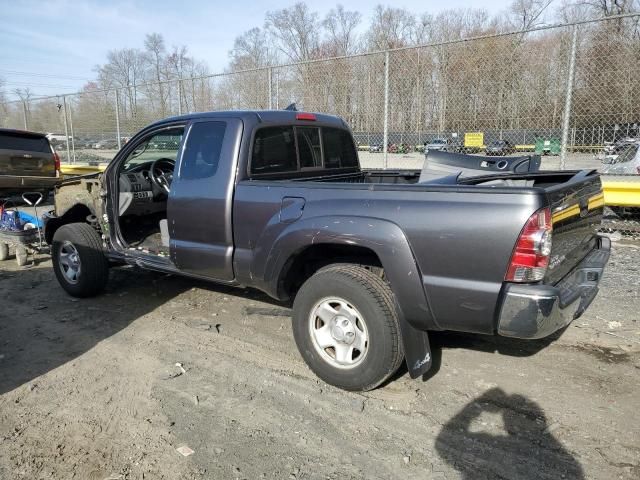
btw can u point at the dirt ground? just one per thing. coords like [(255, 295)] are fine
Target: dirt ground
[(111, 387)]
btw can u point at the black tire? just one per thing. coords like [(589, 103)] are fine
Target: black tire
[(21, 255), (4, 251), (371, 296), (94, 267)]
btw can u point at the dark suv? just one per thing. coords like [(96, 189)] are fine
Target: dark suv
[(27, 163)]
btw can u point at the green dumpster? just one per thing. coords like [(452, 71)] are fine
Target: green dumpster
[(547, 146)]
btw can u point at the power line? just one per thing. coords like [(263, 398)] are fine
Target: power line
[(47, 75), (46, 85)]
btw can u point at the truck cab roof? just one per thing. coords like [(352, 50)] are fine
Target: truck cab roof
[(262, 116)]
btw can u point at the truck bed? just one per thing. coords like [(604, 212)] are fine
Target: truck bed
[(461, 231)]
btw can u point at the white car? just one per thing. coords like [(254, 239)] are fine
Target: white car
[(56, 137), (436, 145)]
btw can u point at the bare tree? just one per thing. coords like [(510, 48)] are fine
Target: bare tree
[(252, 49), (340, 26), (526, 14), (24, 94), (126, 68), (155, 48), (568, 11), (3, 95), (391, 28), (607, 8), (181, 66), (296, 30)]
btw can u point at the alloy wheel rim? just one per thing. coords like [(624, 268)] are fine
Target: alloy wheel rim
[(70, 264), (338, 333)]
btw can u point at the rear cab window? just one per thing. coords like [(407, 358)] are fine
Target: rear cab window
[(25, 143), (339, 150), (299, 149), (274, 151)]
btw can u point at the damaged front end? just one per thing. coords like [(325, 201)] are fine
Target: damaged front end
[(78, 199)]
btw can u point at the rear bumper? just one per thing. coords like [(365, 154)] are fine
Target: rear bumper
[(20, 183), (536, 311)]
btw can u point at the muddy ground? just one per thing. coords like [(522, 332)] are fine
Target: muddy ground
[(89, 389)]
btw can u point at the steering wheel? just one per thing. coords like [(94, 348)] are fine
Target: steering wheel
[(160, 178)]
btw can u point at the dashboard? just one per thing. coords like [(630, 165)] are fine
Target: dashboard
[(137, 193)]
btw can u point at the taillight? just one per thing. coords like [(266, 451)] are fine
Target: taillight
[(530, 257), (305, 116), (56, 161)]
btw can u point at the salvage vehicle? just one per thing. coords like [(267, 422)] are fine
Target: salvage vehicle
[(27, 163), (626, 161), (371, 260), (613, 149)]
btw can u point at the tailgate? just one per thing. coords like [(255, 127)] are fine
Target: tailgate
[(21, 163), (576, 210)]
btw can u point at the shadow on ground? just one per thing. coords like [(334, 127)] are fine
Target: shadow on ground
[(522, 448), (41, 327), (511, 347)]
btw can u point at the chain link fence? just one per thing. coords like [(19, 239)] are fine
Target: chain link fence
[(569, 92)]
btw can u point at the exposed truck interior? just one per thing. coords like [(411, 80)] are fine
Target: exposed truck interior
[(144, 183), (145, 178)]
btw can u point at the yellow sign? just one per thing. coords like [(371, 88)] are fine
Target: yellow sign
[(474, 139)]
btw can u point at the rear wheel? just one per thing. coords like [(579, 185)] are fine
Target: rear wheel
[(79, 262), (346, 327)]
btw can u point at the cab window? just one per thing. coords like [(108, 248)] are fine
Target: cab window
[(202, 151), (339, 150), (309, 147), (163, 144), (274, 151), (296, 149)]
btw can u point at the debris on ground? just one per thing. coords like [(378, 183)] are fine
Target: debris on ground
[(185, 451)]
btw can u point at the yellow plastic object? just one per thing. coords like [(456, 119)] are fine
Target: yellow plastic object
[(75, 170), (621, 191)]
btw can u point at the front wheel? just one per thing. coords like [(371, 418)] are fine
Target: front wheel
[(79, 262), (346, 327)]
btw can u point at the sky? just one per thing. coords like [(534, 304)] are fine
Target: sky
[(53, 46)]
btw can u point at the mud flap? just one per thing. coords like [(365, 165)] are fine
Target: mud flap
[(416, 349)]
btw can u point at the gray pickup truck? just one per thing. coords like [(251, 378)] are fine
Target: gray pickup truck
[(371, 260)]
